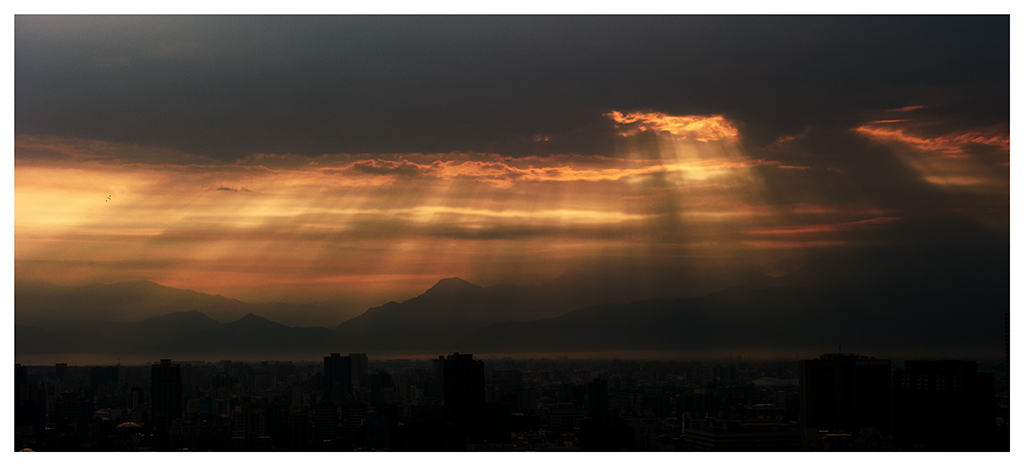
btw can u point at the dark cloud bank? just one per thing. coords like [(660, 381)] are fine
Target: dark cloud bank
[(227, 87)]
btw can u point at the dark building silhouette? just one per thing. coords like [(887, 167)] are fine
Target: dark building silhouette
[(239, 418), (497, 427), (510, 389), (337, 376), (73, 412), (166, 400), (354, 417), (135, 397), (326, 421), (427, 431), (20, 376), (29, 402), (382, 427), (359, 368), (845, 394), (298, 430), (436, 386), (277, 423), (381, 386), (464, 393), (100, 376), (529, 405), (597, 398), (743, 436), (60, 370), (609, 433), (699, 403), (222, 381), (944, 406)]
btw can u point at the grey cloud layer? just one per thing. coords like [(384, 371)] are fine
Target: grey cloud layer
[(227, 87)]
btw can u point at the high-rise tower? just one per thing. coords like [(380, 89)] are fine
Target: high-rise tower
[(166, 390), (464, 392), (944, 405), (337, 376), (845, 393), (359, 369)]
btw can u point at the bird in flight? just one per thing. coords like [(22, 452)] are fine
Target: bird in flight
[(107, 199)]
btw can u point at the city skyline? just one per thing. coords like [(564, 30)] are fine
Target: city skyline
[(832, 403)]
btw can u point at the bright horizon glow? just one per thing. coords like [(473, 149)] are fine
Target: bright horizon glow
[(368, 226)]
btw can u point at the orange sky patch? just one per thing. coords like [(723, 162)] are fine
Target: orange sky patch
[(795, 244), (280, 226), (696, 127), (944, 160), (952, 143), (797, 230)]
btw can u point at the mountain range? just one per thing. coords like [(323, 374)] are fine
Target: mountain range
[(69, 307), (887, 303)]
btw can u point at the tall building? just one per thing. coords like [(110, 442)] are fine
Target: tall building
[(325, 420), (845, 393), (464, 392), (944, 406), (436, 386), (354, 417), (298, 430), (381, 386), (359, 368), (239, 422), (597, 398), (100, 376), (20, 381), (337, 376), (166, 399), (73, 412)]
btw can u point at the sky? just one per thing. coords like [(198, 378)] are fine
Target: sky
[(361, 158)]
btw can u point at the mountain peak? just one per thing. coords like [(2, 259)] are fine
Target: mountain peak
[(446, 288), (452, 284), (251, 318)]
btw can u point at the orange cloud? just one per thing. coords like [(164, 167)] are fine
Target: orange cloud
[(696, 127), (784, 141), (948, 161), (951, 144), (834, 227), (795, 244), (957, 180), (505, 174)]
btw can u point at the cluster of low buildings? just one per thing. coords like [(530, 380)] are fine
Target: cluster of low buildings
[(836, 402)]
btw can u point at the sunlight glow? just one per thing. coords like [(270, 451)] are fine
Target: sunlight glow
[(975, 159), (698, 128), (94, 211)]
